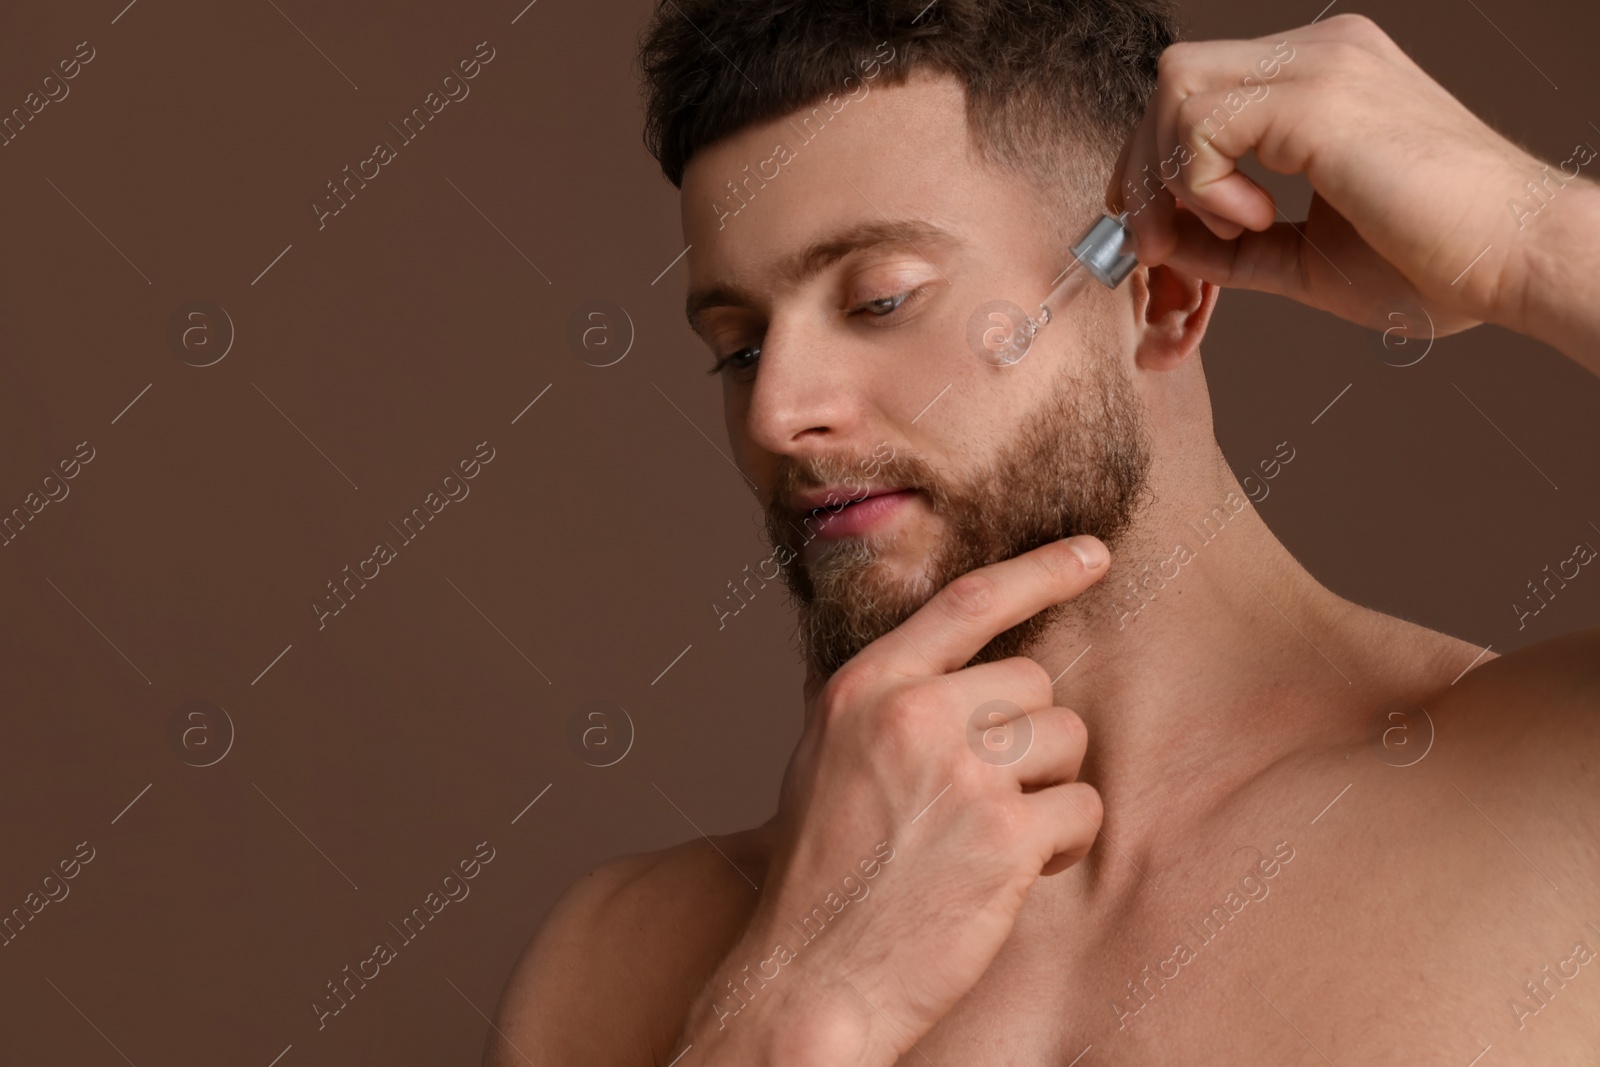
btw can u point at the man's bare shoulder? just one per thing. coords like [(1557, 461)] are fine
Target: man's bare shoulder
[(609, 974), (1552, 685), (1525, 729)]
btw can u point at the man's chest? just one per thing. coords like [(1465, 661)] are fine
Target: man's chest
[(1379, 939)]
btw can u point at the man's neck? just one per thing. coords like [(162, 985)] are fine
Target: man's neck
[(1212, 653)]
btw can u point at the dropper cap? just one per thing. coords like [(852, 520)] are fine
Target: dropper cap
[(1101, 250)]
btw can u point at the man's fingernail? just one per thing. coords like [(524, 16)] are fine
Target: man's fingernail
[(1091, 552)]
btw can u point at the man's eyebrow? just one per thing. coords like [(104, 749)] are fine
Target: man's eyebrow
[(822, 254)]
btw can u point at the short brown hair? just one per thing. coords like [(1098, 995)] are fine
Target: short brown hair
[(1053, 87)]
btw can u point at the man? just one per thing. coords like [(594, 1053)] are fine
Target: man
[(1320, 834)]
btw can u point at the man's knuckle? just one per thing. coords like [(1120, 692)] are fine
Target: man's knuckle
[(844, 690), (1031, 673), (1076, 729), (1359, 25), (1174, 58), (971, 596), (1193, 111), (1087, 801), (1347, 60)]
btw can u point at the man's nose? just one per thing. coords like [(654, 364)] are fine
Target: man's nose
[(806, 385)]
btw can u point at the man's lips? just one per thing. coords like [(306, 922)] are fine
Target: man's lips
[(836, 498), (856, 516)]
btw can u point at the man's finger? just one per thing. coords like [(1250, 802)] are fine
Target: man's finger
[(1213, 104), (1056, 743), (1212, 140), (1144, 196), (965, 615), (1267, 262)]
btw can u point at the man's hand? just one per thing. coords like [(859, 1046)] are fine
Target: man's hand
[(1412, 191), (887, 767)]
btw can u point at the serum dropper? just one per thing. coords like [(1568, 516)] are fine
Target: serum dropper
[(1104, 253)]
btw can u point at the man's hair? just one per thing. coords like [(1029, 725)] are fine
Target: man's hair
[(1053, 87)]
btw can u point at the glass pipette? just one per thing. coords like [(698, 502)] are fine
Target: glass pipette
[(1103, 253)]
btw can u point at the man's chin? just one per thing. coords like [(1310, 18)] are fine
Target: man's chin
[(863, 587), (851, 553), (886, 571)]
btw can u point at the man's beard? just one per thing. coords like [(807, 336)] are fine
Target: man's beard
[(1080, 464)]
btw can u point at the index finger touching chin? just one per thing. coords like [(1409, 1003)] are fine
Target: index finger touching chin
[(960, 619)]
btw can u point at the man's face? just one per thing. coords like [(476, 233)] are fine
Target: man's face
[(865, 381)]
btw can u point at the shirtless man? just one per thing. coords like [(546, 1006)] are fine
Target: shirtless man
[(1186, 806)]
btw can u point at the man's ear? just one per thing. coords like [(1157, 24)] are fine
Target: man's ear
[(1173, 309)]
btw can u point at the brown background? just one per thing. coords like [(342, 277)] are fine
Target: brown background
[(408, 330)]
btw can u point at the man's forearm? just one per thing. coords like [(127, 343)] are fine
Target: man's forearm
[(1557, 300), (782, 1025)]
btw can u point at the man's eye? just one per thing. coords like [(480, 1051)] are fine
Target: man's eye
[(737, 359), (884, 306)]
